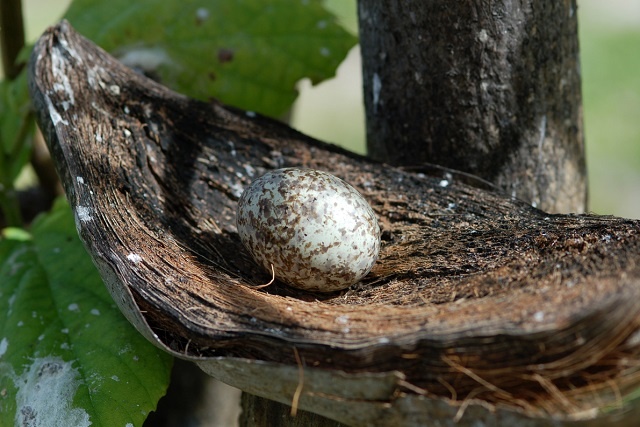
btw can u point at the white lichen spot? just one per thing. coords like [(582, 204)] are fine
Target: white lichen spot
[(41, 337), (115, 89), (483, 36), (66, 330), (383, 340), (202, 14), (128, 425), (99, 137), (135, 258), (127, 133), (322, 24), (65, 346), (84, 213), (4, 344), (250, 114), (115, 378), (45, 393), (20, 324), (79, 180), (538, 316), (68, 51), (325, 51), (93, 76), (62, 84), (444, 183), (53, 113), (376, 87), (73, 307), (95, 312), (65, 88)]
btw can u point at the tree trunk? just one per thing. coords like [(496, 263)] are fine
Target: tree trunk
[(489, 88)]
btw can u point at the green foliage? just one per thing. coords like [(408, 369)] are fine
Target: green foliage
[(67, 355), (247, 53), (15, 123), (611, 93), (16, 128), (608, 89)]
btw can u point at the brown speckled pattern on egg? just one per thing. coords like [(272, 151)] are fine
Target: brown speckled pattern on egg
[(319, 233)]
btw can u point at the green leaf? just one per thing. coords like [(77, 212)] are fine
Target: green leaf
[(247, 53), (16, 125), (68, 357)]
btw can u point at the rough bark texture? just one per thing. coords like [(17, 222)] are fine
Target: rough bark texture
[(480, 307), (489, 88)]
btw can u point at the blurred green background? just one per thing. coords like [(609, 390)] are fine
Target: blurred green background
[(610, 56)]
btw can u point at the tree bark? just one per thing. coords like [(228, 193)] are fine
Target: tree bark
[(489, 88)]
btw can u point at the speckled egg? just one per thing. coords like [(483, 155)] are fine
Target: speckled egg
[(316, 230)]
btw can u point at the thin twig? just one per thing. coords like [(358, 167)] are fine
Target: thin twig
[(468, 372), (298, 392), (273, 278)]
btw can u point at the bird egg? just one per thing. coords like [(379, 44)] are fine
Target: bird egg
[(313, 229)]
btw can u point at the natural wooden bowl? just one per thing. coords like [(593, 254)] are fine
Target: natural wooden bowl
[(480, 307)]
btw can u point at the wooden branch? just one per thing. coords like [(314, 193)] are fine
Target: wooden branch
[(490, 88), (480, 305)]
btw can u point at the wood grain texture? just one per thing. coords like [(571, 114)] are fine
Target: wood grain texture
[(478, 299)]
